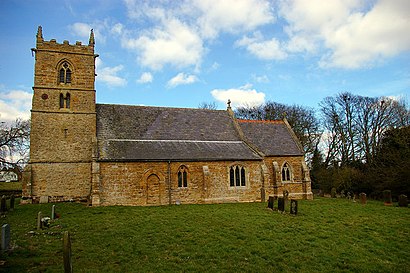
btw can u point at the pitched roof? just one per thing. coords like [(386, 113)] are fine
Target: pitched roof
[(127, 133), (273, 138)]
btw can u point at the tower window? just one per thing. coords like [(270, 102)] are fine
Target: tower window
[(65, 101), (65, 73)]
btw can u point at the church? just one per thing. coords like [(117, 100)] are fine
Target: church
[(106, 154)]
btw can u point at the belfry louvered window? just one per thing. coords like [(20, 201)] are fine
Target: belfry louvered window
[(237, 176), (65, 73), (65, 100)]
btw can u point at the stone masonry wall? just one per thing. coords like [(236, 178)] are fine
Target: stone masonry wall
[(125, 183), (61, 181)]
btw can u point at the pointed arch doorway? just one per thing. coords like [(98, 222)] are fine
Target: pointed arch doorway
[(153, 190)]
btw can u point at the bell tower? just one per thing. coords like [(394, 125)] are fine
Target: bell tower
[(63, 121)]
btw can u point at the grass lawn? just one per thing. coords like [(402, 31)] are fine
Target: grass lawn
[(328, 235), (14, 186)]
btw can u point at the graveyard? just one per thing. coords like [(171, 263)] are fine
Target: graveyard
[(325, 235)]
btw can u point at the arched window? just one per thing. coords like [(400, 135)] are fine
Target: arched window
[(237, 176), (182, 177), (65, 73), (65, 100), (286, 173)]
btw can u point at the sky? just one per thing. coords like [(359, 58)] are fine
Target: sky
[(181, 53)]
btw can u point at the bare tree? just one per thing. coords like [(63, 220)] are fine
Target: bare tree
[(208, 105), (14, 143), (302, 120)]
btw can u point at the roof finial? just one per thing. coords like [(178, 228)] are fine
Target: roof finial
[(39, 34), (229, 104), (92, 40)]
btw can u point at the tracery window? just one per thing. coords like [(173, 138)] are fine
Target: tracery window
[(237, 176), (65, 73), (182, 177), (65, 100), (286, 172)]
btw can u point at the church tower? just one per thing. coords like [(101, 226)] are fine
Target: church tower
[(63, 121)]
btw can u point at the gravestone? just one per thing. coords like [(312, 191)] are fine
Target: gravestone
[(3, 205), (5, 237), (43, 199), (363, 198), (349, 195), (333, 192), (293, 207), (53, 212), (39, 222), (281, 204), (403, 201), (12, 200), (271, 202), (68, 266), (263, 195), (387, 197)]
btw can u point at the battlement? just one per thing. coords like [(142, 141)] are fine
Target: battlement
[(66, 47)]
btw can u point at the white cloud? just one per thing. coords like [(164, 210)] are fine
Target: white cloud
[(15, 104), (261, 48), (348, 33), (260, 79), (174, 43), (108, 75), (146, 77), (242, 96), (232, 16), (83, 30), (182, 78)]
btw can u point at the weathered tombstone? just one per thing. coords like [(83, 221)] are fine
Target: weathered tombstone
[(333, 192), (53, 212), (387, 197), (293, 206), (349, 196), (39, 222), (43, 199), (5, 237), (403, 201), (12, 200), (271, 202), (3, 205), (363, 198), (68, 266), (281, 204)]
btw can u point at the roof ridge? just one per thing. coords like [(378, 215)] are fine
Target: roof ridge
[(161, 107), (276, 121)]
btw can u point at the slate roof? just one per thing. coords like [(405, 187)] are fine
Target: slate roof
[(140, 133), (273, 138)]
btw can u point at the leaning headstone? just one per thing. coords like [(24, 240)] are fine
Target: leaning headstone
[(281, 204), (363, 199), (387, 197), (39, 222), (3, 205), (333, 192), (68, 266), (293, 207), (271, 202), (403, 201), (53, 212), (5, 237), (12, 201)]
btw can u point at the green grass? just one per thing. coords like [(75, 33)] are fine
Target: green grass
[(10, 186), (328, 235)]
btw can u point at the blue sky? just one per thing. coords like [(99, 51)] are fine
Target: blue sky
[(183, 53)]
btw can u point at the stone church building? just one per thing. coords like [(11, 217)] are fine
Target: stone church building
[(108, 154)]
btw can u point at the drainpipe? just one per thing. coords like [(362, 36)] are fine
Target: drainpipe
[(169, 181)]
